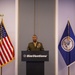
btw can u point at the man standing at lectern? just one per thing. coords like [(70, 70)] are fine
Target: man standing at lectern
[(35, 45)]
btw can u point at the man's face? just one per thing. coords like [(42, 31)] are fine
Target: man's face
[(34, 38)]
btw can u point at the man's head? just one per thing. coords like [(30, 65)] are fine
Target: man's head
[(34, 38)]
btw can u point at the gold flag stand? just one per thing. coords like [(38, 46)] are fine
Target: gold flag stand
[(1, 16)]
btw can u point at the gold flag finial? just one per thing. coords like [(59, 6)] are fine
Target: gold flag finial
[(1, 15), (68, 30), (68, 22)]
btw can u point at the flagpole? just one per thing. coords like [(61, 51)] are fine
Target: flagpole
[(1, 16), (68, 70), (69, 39), (1, 70)]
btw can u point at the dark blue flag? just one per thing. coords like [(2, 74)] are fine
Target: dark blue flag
[(67, 45)]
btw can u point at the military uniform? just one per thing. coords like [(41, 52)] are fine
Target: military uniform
[(35, 46)]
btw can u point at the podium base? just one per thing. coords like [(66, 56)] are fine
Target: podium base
[(35, 68)]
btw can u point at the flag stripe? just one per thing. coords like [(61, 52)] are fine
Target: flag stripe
[(10, 46), (7, 45), (3, 56), (0, 62), (10, 42), (7, 49), (7, 42), (4, 52)]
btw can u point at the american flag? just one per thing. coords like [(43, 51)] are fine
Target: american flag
[(6, 47)]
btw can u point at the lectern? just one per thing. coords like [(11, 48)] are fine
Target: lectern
[(35, 61)]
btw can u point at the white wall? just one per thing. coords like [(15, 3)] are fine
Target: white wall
[(7, 7), (66, 11)]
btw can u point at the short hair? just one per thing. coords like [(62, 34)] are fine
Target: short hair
[(35, 35)]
